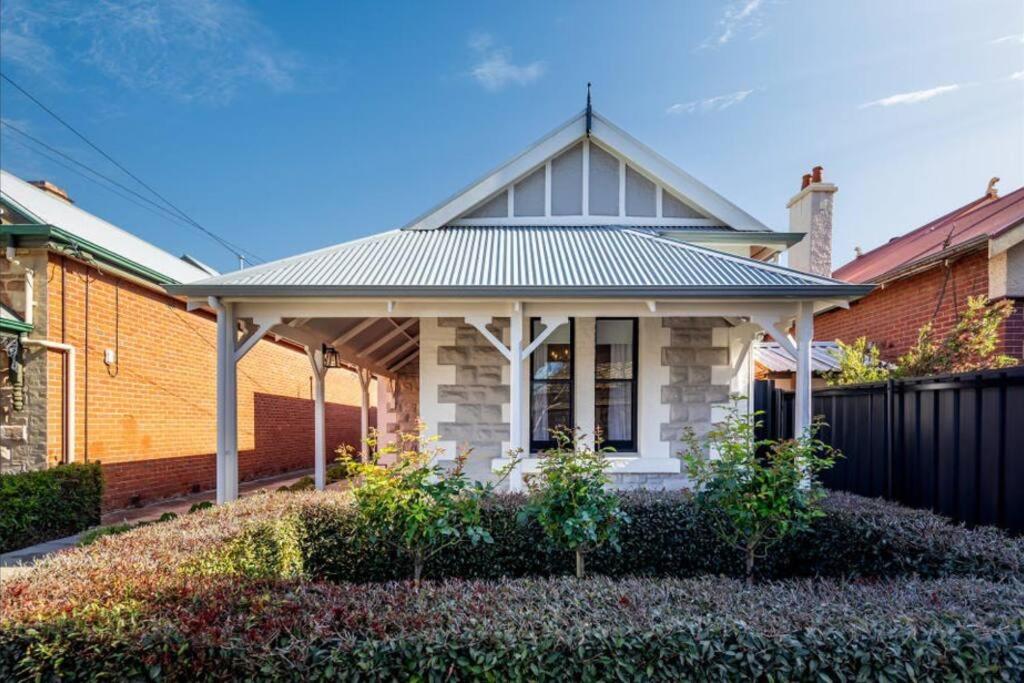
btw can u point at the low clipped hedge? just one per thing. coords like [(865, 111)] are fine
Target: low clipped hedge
[(239, 592), (667, 535), (539, 630), (47, 504)]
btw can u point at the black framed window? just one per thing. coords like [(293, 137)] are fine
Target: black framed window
[(551, 380), (615, 373)]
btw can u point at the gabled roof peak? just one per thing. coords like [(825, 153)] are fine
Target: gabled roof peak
[(562, 180)]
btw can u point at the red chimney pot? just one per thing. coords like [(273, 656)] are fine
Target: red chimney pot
[(816, 174), (806, 181)]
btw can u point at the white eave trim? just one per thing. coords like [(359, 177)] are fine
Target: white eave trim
[(638, 155)]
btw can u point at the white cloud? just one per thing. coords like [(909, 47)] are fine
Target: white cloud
[(740, 16), (194, 50), (914, 97), (494, 71), (1015, 38), (1017, 76), (709, 104)]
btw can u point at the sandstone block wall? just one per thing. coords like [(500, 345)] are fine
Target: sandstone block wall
[(480, 393)]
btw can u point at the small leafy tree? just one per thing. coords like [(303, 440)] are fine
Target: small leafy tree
[(970, 345), (858, 362), (755, 502), (570, 500), (416, 505)]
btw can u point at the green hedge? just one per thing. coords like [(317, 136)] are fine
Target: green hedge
[(667, 535), (48, 504), (541, 630)]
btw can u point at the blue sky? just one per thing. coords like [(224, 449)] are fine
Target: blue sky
[(289, 126)]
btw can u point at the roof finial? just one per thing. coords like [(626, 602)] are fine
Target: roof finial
[(590, 111), (991, 190)]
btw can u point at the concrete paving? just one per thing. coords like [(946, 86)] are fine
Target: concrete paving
[(17, 562)]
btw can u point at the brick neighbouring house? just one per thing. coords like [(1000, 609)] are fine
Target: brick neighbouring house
[(927, 274), (145, 366)]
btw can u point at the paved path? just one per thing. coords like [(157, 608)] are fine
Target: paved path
[(19, 561)]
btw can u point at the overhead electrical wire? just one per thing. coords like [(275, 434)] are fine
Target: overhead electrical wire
[(237, 251)]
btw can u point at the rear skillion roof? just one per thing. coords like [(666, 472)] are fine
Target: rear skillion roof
[(985, 217), (611, 260)]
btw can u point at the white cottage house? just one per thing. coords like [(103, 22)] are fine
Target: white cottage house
[(586, 282)]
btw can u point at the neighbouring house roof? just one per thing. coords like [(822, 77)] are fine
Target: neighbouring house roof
[(776, 359), (11, 321), (973, 223), (605, 260), (59, 221)]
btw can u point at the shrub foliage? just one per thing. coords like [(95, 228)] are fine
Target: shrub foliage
[(752, 500), (543, 630), (569, 498), (238, 592), (47, 504)]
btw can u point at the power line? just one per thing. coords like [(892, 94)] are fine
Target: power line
[(166, 212), (151, 207), (134, 177)]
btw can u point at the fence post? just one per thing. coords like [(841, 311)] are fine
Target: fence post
[(890, 429)]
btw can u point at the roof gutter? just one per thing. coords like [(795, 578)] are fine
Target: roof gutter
[(932, 261), (52, 233), (823, 291)]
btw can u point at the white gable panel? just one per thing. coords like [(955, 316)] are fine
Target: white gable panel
[(496, 207), (565, 181), (604, 183), (529, 194), (641, 194)]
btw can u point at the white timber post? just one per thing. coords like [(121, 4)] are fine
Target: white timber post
[(230, 350), (227, 403), (804, 337), (515, 391), (364, 413), (316, 359)]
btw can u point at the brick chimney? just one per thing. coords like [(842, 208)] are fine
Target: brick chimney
[(810, 212), (49, 188)]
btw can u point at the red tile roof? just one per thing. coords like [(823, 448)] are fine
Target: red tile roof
[(983, 218)]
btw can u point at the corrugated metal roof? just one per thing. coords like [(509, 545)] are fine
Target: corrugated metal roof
[(777, 359), (985, 217), (49, 210), (489, 260)]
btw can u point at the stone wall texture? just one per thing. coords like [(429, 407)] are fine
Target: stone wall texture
[(23, 411), (479, 392), (690, 394)]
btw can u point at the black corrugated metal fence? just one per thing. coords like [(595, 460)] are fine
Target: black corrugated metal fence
[(952, 443)]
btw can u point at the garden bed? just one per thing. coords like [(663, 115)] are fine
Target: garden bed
[(259, 589)]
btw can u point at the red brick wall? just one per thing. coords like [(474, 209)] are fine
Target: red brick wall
[(151, 418), (891, 315), (1012, 339)]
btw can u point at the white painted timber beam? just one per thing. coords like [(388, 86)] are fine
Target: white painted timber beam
[(391, 334), (255, 334), (399, 351), (777, 327), (405, 361), (550, 323), (481, 322), (352, 333)]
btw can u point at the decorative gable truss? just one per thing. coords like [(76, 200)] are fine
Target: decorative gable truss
[(571, 178)]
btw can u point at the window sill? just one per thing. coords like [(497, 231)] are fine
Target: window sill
[(620, 463)]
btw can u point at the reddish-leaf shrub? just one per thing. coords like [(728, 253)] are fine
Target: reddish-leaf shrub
[(537, 629)]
